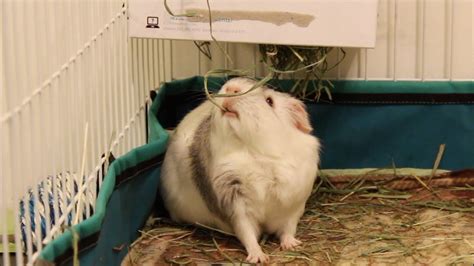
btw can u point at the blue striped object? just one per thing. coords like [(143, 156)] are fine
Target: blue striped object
[(64, 183)]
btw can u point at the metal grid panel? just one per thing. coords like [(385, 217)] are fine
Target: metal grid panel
[(64, 67)]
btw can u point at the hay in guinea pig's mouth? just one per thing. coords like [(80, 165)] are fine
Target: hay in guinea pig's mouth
[(367, 217)]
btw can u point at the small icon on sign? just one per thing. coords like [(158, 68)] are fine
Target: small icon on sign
[(152, 22)]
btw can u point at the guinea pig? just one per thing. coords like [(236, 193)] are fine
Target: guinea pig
[(247, 168)]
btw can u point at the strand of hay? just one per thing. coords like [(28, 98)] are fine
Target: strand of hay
[(75, 246), (226, 72)]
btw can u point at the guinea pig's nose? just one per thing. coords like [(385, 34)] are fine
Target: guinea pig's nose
[(227, 104), (233, 90)]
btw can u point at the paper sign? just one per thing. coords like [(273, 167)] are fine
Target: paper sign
[(336, 23)]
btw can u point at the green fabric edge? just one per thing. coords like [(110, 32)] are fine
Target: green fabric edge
[(408, 87), (93, 224), (195, 83)]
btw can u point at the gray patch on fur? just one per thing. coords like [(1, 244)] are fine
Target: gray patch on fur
[(200, 153), (221, 192), (230, 189)]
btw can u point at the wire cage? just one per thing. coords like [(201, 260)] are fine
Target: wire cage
[(75, 92)]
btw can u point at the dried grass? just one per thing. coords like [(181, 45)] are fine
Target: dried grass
[(356, 223)]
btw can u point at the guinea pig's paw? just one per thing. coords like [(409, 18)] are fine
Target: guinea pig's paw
[(288, 242), (257, 256)]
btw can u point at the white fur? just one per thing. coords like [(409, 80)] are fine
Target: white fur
[(277, 164)]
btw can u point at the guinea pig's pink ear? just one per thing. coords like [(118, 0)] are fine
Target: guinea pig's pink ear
[(300, 116)]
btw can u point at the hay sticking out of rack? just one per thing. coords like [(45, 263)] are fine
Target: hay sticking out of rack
[(307, 65), (359, 221)]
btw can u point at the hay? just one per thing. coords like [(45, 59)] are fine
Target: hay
[(307, 65), (355, 223)]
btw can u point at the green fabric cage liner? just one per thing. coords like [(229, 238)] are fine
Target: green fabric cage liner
[(367, 124)]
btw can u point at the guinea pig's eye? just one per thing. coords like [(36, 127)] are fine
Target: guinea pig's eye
[(269, 100)]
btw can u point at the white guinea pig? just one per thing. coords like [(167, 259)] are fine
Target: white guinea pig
[(247, 170)]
